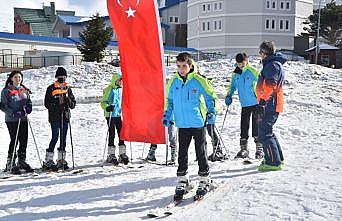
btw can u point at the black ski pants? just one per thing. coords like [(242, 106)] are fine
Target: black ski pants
[(22, 138), (246, 113), (185, 135), (115, 122)]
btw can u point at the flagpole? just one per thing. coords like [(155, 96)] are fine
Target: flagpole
[(198, 31)]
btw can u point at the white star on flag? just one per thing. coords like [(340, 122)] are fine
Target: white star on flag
[(130, 12)]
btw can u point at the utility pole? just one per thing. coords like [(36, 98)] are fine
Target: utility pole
[(318, 27)]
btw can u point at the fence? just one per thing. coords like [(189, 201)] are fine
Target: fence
[(15, 61)]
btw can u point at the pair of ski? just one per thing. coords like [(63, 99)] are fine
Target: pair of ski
[(37, 172), (145, 160), (186, 202)]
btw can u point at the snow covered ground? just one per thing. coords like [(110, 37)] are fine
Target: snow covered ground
[(309, 130)]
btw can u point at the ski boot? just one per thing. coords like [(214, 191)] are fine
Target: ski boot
[(123, 158), (182, 188), (243, 153), (12, 168), (205, 185), (259, 153), (151, 156), (25, 166), (111, 158), (62, 164), (49, 165), (217, 155)]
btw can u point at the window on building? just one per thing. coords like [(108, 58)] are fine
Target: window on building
[(208, 7), (217, 25), (267, 24), (282, 5), (203, 8), (215, 6), (288, 5), (203, 26), (273, 24), (174, 19), (220, 5), (274, 5), (287, 25), (268, 4), (208, 26), (281, 24)]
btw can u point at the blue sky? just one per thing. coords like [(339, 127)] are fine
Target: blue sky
[(81, 7)]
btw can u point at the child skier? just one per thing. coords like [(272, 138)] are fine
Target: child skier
[(16, 104), (59, 99), (183, 94), (111, 104), (244, 79)]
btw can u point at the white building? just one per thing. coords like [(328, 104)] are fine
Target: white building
[(231, 26)]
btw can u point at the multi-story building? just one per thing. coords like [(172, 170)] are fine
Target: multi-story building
[(174, 16), (37, 21), (230, 26), (71, 26)]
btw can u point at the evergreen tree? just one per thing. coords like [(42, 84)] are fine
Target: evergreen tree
[(94, 39), (331, 23)]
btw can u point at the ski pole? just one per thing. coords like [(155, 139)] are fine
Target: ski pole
[(61, 144), (34, 140), (142, 153), (15, 144), (130, 146), (107, 136), (213, 137), (167, 144), (224, 119), (72, 147), (220, 137)]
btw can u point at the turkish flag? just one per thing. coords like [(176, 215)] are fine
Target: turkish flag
[(137, 26)]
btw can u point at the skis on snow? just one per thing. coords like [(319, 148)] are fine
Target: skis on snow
[(188, 201)]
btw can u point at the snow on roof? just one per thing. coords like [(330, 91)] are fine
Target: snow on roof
[(323, 47), (77, 20)]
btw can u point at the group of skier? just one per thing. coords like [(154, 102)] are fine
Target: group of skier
[(190, 106), (260, 96), (17, 105)]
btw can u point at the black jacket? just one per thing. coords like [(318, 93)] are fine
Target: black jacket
[(59, 100)]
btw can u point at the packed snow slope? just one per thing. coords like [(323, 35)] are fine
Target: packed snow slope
[(309, 130)]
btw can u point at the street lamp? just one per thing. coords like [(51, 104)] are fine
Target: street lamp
[(318, 27)]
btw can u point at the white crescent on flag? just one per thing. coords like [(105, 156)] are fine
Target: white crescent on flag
[(119, 3)]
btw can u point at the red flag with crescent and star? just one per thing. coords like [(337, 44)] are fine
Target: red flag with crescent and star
[(137, 26)]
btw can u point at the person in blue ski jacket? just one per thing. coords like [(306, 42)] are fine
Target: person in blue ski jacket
[(244, 80), (111, 104), (183, 93)]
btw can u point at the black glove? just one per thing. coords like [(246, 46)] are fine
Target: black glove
[(110, 108), (260, 109)]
